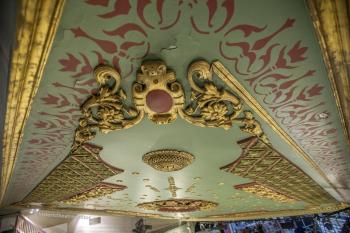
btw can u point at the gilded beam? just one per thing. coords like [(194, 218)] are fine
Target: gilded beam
[(331, 23), (37, 24)]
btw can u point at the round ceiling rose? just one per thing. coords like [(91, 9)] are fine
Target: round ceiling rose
[(178, 205), (168, 160), (159, 101)]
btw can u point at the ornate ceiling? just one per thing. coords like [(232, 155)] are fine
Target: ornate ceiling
[(193, 109)]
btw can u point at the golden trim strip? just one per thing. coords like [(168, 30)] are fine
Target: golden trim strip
[(233, 83), (331, 23), (39, 20)]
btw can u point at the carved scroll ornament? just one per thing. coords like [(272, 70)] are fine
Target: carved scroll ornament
[(106, 110), (210, 106), (157, 93)]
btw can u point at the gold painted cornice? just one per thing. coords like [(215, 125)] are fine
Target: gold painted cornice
[(224, 217), (331, 23), (37, 23)]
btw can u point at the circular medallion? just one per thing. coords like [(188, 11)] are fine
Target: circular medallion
[(178, 205), (159, 101), (168, 160)]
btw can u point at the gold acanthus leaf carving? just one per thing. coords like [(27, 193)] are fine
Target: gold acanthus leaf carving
[(157, 93), (210, 106), (106, 110), (251, 126)]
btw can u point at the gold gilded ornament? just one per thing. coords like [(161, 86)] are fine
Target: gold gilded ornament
[(178, 205), (252, 126), (81, 170), (263, 164), (106, 110), (265, 192), (172, 187), (157, 93), (210, 106), (191, 188), (100, 190), (152, 188), (168, 160), (35, 34)]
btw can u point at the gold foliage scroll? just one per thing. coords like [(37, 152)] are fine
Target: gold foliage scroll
[(263, 164), (81, 170), (157, 93), (210, 106), (106, 110)]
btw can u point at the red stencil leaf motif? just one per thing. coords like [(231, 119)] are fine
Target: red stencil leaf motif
[(122, 30), (121, 7), (105, 45), (212, 11), (69, 64), (297, 53), (160, 9), (97, 2)]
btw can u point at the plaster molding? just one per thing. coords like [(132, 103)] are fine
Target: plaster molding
[(37, 24), (331, 23)]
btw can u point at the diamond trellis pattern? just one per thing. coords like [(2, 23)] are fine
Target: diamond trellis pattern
[(81, 170), (267, 167)]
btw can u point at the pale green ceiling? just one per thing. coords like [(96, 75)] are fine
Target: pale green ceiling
[(178, 47)]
